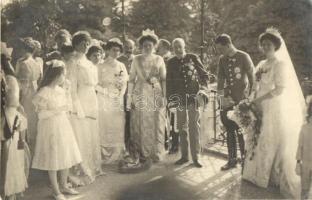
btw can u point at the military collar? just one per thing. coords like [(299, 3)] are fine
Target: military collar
[(233, 57)]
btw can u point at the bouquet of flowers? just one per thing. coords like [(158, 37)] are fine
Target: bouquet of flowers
[(152, 80), (118, 84), (249, 118)]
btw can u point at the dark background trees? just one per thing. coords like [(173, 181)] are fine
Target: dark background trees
[(244, 20)]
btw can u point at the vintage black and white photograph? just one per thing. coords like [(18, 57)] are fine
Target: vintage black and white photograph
[(156, 99)]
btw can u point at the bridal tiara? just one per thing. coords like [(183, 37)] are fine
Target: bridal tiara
[(148, 32), (274, 31)]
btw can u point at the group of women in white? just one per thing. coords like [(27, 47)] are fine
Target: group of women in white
[(80, 110), (75, 108)]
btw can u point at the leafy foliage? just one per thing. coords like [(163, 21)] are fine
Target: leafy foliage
[(243, 20)]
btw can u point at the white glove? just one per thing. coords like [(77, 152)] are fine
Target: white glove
[(129, 102)]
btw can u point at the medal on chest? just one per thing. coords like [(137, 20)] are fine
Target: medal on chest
[(235, 72), (189, 72)]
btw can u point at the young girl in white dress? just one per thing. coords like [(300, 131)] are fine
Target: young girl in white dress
[(56, 147)]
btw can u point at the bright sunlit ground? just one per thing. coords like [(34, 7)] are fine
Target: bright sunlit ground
[(165, 181)]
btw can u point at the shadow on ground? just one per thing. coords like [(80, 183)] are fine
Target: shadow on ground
[(164, 181)]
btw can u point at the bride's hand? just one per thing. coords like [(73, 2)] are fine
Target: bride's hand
[(256, 101), (298, 169)]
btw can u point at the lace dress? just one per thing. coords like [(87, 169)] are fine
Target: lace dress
[(83, 79), (56, 146), (112, 85), (274, 159)]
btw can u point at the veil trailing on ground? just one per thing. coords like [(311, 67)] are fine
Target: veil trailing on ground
[(292, 110)]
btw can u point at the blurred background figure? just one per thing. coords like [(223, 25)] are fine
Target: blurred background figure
[(163, 49), (62, 37), (128, 54)]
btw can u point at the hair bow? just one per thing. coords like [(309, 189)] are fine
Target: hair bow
[(56, 63)]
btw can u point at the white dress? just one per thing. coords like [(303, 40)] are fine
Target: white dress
[(29, 73), (112, 85), (15, 174), (274, 159), (84, 118), (56, 147)]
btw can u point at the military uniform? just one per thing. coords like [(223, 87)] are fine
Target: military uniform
[(173, 137), (235, 78), (167, 57), (127, 61), (184, 77)]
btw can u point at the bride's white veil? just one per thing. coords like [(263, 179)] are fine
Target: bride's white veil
[(292, 84), (292, 116)]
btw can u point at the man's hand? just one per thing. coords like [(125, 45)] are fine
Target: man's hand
[(227, 102), (200, 100)]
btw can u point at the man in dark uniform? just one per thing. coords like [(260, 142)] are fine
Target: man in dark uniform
[(171, 134), (126, 59), (185, 76), (235, 79)]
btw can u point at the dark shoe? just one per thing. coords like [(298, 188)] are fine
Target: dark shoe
[(242, 164), (174, 150), (197, 164), (229, 165), (181, 161)]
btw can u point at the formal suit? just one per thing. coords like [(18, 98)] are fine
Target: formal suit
[(235, 78), (184, 78)]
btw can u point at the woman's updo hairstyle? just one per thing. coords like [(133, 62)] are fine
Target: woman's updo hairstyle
[(81, 36), (272, 35), (114, 42), (94, 49), (148, 35), (28, 44)]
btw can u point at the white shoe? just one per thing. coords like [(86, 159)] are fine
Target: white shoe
[(59, 196), (69, 191)]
